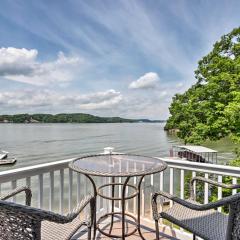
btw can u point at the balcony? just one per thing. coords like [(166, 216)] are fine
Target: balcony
[(57, 188)]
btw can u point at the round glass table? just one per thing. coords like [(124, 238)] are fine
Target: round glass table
[(124, 166)]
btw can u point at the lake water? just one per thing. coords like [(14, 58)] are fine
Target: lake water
[(32, 144)]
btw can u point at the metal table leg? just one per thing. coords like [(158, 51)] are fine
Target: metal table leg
[(139, 208), (123, 207), (112, 217)]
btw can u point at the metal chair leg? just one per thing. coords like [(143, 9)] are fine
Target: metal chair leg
[(94, 226), (93, 217), (157, 229), (89, 232)]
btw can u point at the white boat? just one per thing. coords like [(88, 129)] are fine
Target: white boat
[(4, 159), (7, 161), (3, 155)]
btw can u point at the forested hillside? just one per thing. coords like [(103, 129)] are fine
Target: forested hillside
[(61, 118)]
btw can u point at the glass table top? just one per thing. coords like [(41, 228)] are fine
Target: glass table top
[(118, 165)]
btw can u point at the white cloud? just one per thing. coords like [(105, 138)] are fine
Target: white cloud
[(21, 65), (45, 99), (148, 80)]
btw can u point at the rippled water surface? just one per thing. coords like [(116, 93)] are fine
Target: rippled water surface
[(38, 143)]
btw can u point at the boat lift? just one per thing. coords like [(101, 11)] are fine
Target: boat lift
[(194, 153)]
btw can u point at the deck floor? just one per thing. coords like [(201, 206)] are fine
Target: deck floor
[(148, 233)]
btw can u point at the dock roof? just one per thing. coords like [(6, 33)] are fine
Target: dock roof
[(197, 149)]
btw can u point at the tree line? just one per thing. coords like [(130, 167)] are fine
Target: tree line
[(61, 118)]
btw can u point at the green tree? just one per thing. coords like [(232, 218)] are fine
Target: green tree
[(210, 109)]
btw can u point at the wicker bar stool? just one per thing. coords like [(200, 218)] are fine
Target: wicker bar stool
[(24, 222), (202, 219)]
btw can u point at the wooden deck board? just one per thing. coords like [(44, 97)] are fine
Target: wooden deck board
[(147, 232)]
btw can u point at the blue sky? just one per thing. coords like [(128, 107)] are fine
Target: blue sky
[(123, 58)]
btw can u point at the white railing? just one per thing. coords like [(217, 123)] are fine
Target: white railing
[(56, 187), (173, 180), (48, 182), (216, 171)]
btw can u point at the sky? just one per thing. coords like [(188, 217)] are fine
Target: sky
[(108, 58)]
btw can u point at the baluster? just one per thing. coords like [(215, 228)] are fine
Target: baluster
[(219, 191), (182, 187), (171, 187), (14, 185), (161, 189), (152, 189), (120, 187), (106, 191), (171, 184), (85, 194), (182, 173), (135, 199), (51, 190), (98, 204), (40, 190), (234, 181), (78, 188), (28, 182), (109, 194), (194, 184), (161, 181), (206, 190), (70, 185), (61, 191)]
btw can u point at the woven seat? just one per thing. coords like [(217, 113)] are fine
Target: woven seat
[(202, 223), (58, 231), (22, 222), (202, 219)]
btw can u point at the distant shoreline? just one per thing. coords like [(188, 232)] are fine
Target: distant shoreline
[(68, 118)]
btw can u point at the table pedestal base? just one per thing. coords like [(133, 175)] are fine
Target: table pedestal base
[(111, 223), (122, 214)]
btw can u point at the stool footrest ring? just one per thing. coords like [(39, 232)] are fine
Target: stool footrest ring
[(117, 198)]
